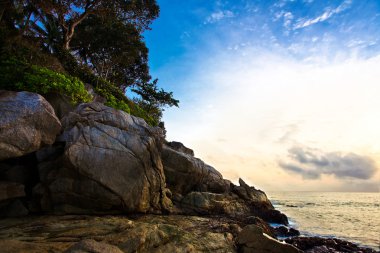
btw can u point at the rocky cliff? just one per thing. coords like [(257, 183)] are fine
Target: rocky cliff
[(144, 194)]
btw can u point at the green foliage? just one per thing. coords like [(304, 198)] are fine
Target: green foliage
[(56, 46), (150, 93), (114, 95), (114, 50), (18, 75)]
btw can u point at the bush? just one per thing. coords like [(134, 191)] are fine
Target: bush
[(19, 76), (114, 95)]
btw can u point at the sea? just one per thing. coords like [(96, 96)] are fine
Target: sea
[(354, 217)]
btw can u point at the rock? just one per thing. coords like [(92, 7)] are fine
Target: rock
[(15, 208), (27, 122), (214, 203), (200, 189), (283, 231), (252, 239), (111, 162), (10, 190), (10, 205), (254, 220), (143, 234), (92, 246), (326, 245), (61, 104), (250, 193), (21, 170), (178, 146), (270, 214), (185, 173)]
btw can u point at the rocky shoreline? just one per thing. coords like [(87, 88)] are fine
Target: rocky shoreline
[(100, 180)]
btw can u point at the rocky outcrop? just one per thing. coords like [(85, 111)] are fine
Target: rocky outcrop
[(200, 189), (108, 162), (326, 245), (283, 231), (111, 161), (27, 122), (185, 173), (178, 146), (145, 234), (253, 240)]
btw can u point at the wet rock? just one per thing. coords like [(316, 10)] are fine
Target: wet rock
[(254, 220), (92, 246), (252, 239), (27, 122), (326, 245), (283, 231)]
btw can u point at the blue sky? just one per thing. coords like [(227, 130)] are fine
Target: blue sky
[(285, 88)]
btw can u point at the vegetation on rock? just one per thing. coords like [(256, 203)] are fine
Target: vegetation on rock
[(58, 46)]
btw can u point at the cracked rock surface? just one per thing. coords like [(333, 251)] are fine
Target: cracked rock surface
[(111, 161)]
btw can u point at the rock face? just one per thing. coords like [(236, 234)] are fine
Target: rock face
[(253, 240), (185, 173), (200, 189), (27, 122), (111, 161), (178, 146)]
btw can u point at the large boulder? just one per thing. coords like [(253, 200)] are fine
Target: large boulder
[(252, 239), (27, 122), (111, 161)]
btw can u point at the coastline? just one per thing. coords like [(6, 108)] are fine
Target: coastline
[(59, 195), (315, 219)]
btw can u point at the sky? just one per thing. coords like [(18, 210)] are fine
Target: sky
[(284, 94)]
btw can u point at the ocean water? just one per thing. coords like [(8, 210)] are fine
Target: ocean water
[(350, 216)]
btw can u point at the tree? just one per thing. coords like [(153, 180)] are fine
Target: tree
[(115, 50), (68, 14), (98, 41)]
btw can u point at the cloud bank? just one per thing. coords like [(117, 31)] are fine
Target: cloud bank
[(251, 88), (312, 163)]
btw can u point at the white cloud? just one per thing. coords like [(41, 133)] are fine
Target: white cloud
[(262, 98), (288, 17), (219, 15), (326, 15)]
